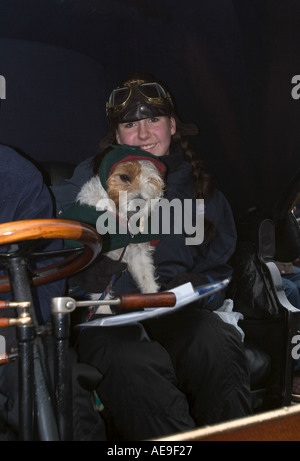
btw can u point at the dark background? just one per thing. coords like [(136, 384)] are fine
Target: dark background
[(228, 64)]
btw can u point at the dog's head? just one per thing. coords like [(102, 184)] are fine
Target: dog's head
[(132, 178), (135, 184)]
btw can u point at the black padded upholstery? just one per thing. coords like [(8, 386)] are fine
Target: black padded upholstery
[(270, 320), (54, 171), (259, 363)]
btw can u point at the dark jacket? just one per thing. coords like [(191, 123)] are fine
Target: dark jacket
[(210, 258), (176, 261)]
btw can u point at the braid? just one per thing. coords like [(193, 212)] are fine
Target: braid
[(203, 180), (204, 184)]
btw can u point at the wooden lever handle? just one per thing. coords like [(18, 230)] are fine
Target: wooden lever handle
[(147, 300), (8, 321), (4, 322)]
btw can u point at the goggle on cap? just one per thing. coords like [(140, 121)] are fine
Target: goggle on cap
[(138, 98)]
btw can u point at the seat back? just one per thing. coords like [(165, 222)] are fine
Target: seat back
[(270, 320), (54, 172), (287, 230)]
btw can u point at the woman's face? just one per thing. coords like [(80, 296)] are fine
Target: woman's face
[(151, 134)]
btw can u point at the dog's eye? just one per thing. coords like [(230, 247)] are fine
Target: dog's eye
[(124, 178)]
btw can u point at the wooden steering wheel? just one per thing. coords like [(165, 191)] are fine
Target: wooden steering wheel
[(34, 231)]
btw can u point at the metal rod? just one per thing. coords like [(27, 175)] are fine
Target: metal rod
[(25, 335), (62, 374), (44, 413), (45, 416)]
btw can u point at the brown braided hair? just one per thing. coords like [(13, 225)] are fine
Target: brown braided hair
[(204, 184)]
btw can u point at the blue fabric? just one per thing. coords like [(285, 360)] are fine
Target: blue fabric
[(24, 196), (291, 285)]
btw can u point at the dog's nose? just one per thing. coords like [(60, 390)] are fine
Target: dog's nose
[(137, 204), (130, 214)]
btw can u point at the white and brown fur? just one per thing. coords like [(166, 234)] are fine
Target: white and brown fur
[(141, 179)]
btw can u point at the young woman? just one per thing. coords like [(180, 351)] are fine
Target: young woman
[(186, 369)]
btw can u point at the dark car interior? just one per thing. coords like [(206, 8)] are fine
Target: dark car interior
[(60, 60)]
